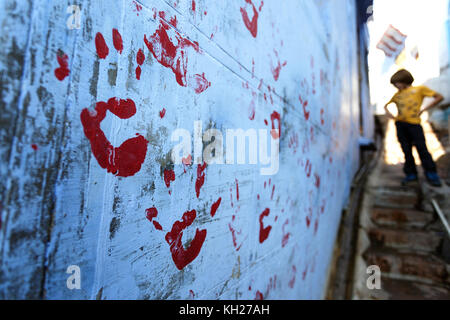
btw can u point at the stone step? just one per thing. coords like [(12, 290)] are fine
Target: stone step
[(394, 289), (399, 197), (409, 265), (425, 241), (401, 218)]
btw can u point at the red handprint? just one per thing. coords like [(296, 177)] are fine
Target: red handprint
[(125, 160), (182, 257)]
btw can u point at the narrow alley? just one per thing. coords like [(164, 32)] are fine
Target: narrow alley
[(401, 232)]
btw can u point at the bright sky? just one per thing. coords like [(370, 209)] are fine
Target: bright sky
[(422, 21)]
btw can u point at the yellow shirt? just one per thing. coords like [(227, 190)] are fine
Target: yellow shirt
[(409, 101)]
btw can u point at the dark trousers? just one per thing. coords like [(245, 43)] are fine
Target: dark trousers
[(410, 135)]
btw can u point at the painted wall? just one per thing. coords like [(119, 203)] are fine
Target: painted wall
[(88, 180)]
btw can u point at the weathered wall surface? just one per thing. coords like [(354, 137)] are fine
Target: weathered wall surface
[(88, 180)]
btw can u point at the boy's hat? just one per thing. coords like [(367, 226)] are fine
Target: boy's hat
[(402, 76)]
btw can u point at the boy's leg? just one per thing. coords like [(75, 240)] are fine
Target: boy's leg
[(406, 143), (418, 136)]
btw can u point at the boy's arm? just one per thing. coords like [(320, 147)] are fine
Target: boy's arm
[(437, 99), (388, 113)]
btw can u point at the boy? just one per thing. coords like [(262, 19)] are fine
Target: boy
[(409, 131)]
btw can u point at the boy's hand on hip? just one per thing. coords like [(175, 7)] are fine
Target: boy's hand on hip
[(390, 116)]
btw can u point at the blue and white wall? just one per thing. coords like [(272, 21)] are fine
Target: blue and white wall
[(87, 180)]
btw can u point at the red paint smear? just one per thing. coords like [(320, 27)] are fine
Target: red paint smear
[(201, 83), (231, 198), (125, 160), (100, 45), (237, 189), (173, 21), (286, 236), (162, 113), (273, 191), (63, 70), (157, 226), (253, 68), (292, 281), (193, 6), (322, 208), (322, 120), (140, 57), (138, 73), (180, 256), (260, 84), (117, 40), (169, 54), (251, 111), (272, 284), (252, 25), (34, 147), (169, 175), (276, 71), (305, 112), (308, 168), (138, 6), (233, 235), (200, 178), (304, 273), (191, 294), (275, 116), (313, 82), (259, 296), (215, 206), (264, 232), (308, 218), (151, 213), (317, 180)]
